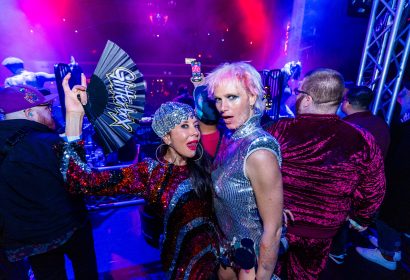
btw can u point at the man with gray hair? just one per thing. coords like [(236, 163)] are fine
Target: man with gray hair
[(332, 172), (39, 219)]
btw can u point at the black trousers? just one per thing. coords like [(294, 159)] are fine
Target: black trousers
[(79, 249), (340, 240), (13, 270)]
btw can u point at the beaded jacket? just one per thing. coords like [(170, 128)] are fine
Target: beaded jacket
[(189, 247)]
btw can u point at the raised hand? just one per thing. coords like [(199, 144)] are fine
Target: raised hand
[(76, 97), (200, 82)]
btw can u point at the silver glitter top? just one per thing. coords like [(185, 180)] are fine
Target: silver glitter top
[(169, 115), (234, 199)]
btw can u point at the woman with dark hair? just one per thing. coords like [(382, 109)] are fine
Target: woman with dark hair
[(177, 185)]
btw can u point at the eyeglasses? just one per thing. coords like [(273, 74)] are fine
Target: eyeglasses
[(48, 105), (296, 91)]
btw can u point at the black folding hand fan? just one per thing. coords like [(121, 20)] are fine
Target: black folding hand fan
[(116, 98)]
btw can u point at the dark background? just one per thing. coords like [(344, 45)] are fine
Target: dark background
[(44, 32)]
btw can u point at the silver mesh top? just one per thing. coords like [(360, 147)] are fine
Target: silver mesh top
[(234, 199)]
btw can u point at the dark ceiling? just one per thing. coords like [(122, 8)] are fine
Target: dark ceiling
[(214, 31)]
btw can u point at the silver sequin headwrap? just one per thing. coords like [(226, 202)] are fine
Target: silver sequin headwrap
[(169, 115)]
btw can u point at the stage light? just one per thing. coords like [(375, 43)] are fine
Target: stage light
[(172, 3)]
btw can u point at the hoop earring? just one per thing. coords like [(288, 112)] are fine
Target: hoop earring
[(202, 152), (156, 155)]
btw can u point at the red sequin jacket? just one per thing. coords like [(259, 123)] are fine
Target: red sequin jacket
[(190, 239)]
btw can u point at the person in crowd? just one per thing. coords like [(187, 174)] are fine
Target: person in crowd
[(177, 184), (23, 77), (246, 175), (290, 73), (355, 104), (393, 223), (184, 96), (403, 100), (208, 117), (39, 219), (332, 172)]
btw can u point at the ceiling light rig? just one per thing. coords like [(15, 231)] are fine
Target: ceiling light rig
[(158, 11), (158, 19)]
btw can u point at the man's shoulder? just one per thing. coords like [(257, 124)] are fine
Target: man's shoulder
[(32, 134), (361, 117), (282, 122), (364, 138)]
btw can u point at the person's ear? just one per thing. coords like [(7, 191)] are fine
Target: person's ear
[(167, 139), (28, 113), (306, 101), (252, 100), (309, 99)]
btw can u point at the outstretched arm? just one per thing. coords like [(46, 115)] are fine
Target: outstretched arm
[(263, 170), (78, 175), (45, 77), (81, 179)]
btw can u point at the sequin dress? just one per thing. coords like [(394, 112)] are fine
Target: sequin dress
[(234, 199), (189, 247)]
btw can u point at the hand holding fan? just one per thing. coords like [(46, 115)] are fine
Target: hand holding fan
[(116, 98), (60, 71)]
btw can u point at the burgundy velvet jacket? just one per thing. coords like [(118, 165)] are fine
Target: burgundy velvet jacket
[(330, 170), (375, 125)]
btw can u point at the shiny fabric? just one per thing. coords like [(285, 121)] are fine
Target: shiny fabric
[(373, 124), (169, 115), (189, 247), (330, 170), (304, 264), (234, 199)]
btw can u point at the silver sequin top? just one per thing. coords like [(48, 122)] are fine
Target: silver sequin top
[(234, 199)]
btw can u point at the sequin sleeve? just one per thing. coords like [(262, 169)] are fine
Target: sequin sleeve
[(81, 179), (265, 142)]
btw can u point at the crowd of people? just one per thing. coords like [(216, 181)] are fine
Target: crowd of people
[(227, 191)]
